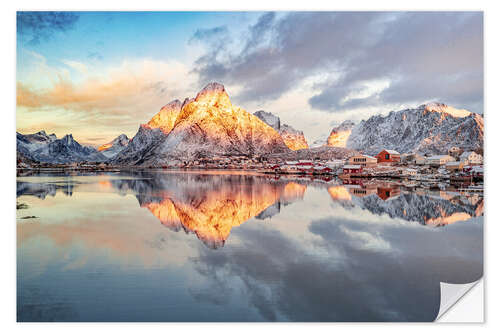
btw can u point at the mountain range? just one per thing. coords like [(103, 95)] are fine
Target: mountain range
[(209, 125), (431, 128), (48, 148)]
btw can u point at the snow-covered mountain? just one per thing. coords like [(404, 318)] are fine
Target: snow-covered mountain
[(112, 148), (430, 128), (48, 148), (150, 135), (208, 125), (339, 134), (294, 139), (27, 143)]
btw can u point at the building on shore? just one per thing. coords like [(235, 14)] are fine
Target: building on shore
[(363, 160), (471, 158), (388, 156), (413, 158), (455, 166), (474, 170), (438, 160)]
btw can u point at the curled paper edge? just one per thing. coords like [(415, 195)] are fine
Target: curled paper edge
[(451, 294)]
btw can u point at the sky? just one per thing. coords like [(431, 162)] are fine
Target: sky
[(100, 74)]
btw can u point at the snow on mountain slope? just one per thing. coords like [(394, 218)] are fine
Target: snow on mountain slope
[(339, 135), (32, 142), (269, 118), (47, 148), (430, 128), (208, 125), (112, 148), (294, 139)]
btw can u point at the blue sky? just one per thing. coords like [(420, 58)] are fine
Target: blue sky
[(110, 37), (100, 74)]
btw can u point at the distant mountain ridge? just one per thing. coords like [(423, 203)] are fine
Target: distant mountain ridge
[(293, 138), (430, 128), (48, 148), (113, 147)]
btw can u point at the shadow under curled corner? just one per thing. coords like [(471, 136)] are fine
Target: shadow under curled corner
[(451, 294)]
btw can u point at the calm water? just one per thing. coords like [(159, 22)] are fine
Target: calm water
[(238, 247)]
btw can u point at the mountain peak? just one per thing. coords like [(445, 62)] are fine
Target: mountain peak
[(165, 119), (114, 147), (214, 94), (68, 138), (443, 108)]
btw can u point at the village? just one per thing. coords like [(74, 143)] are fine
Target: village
[(457, 165)]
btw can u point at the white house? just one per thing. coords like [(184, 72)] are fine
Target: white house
[(334, 164), (409, 172), (440, 159), (470, 157)]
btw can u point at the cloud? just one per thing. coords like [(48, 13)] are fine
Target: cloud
[(114, 99), (209, 34), (358, 271), (33, 27), (420, 55), (76, 65)]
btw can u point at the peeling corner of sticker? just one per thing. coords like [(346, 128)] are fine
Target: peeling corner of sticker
[(451, 294)]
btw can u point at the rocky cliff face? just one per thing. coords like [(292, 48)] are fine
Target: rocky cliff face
[(339, 135), (208, 125), (430, 128), (112, 148), (294, 139)]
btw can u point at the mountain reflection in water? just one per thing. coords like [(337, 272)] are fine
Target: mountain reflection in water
[(210, 206), (207, 206), (272, 248)]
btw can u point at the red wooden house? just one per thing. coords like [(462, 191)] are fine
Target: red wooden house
[(388, 156)]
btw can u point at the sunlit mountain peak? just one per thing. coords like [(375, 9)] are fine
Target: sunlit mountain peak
[(214, 94), (165, 119), (443, 108)]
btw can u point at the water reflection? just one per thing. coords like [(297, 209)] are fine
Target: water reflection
[(425, 206), (286, 248), (210, 206)]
